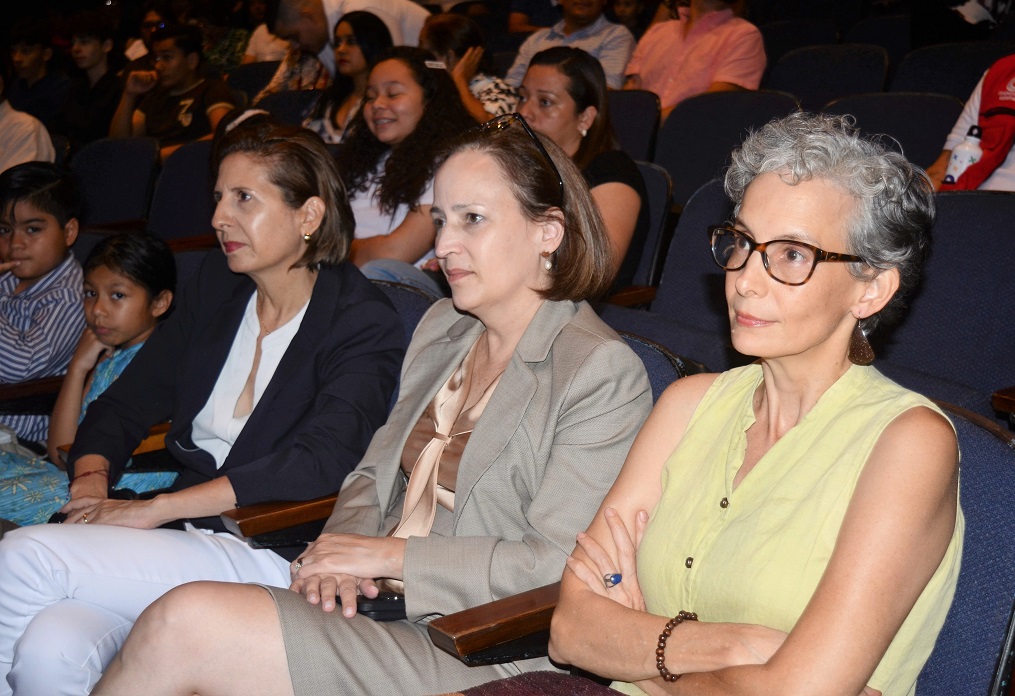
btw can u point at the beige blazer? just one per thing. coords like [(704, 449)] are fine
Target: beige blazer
[(545, 451)]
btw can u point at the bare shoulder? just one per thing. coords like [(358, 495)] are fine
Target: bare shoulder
[(681, 398), (920, 437)]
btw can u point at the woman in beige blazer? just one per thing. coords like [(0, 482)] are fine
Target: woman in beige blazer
[(549, 399)]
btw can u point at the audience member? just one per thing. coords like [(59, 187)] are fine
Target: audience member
[(989, 107), (263, 45), (128, 286), (517, 404), (155, 15), (584, 27), (40, 280), (458, 42), (410, 111), (36, 89), (631, 14), (95, 89), (224, 45), (360, 37), (748, 505), (564, 97), (311, 23), (173, 103), (707, 49), (23, 138), (274, 370), (526, 16)]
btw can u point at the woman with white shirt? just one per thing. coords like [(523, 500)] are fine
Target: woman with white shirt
[(411, 109), (275, 369)]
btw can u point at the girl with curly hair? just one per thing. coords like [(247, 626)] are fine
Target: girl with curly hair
[(410, 109)]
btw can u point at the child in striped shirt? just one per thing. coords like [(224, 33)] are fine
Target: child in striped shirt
[(41, 315)]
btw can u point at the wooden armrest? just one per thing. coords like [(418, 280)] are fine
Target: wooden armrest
[(633, 296), (155, 442), (1003, 400), (33, 396), (506, 630), (264, 518), (201, 241)]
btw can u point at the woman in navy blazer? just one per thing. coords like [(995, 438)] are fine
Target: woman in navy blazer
[(275, 369)]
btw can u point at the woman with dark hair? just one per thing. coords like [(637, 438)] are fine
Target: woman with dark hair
[(516, 408), (563, 96), (410, 111), (458, 42), (274, 369), (359, 38)]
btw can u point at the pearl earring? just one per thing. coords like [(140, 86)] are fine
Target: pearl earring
[(583, 131), (306, 238), (547, 263)]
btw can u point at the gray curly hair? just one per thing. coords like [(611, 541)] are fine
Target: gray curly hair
[(895, 199)]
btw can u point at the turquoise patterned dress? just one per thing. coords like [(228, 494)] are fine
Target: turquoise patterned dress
[(32, 488)]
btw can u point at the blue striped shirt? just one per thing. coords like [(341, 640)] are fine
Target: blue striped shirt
[(39, 330)]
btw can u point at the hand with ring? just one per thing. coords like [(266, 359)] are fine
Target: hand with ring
[(614, 578)]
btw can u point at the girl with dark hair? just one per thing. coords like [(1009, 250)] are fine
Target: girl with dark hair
[(411, 109), (359, 38), (274, 370), (128, 286), (563, 96), (458, 42)]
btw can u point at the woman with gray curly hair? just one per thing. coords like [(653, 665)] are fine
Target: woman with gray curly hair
[(748, 507)]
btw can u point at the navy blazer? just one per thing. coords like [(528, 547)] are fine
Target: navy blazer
[(316, 417)]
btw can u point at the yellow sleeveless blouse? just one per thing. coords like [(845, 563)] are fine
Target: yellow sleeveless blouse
[(755, 555)]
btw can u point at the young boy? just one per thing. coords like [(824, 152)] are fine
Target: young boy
[(173, 103), (41, 316), (95, 89)]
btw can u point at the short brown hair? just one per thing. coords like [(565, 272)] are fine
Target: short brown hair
[(582, 265), (301, 167)]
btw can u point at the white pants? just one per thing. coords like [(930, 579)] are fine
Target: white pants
[(69, 594)]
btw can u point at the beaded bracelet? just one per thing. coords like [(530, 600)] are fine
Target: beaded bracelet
[(89, 473), (680, 618)]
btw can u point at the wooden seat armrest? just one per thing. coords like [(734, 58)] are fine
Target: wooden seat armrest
[(263, 518), (32, 396), (1003, 400), (201, 241), (633, 296), (155, 441), (481, 630)]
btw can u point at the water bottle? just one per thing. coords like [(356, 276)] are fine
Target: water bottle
[(965, 153)]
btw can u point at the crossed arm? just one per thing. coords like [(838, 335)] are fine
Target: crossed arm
[(865, 594)]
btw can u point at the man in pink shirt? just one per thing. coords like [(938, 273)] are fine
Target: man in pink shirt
[(707, 49)]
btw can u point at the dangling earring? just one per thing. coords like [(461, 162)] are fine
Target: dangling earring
[(547, 263), (860, 351), (306, 237)]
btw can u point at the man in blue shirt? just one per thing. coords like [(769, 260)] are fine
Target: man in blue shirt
[(584, 27)]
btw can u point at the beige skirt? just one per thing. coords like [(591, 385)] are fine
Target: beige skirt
[(329, 654)]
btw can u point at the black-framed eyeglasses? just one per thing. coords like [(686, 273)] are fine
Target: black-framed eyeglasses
[(506, 121), (788, 261)]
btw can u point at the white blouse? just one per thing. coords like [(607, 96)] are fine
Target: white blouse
[(215, 429)]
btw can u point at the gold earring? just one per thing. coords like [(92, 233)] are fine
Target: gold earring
[(306, 238), (860, 350)]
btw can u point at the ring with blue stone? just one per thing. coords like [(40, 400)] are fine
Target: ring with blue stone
[(612, 579)]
